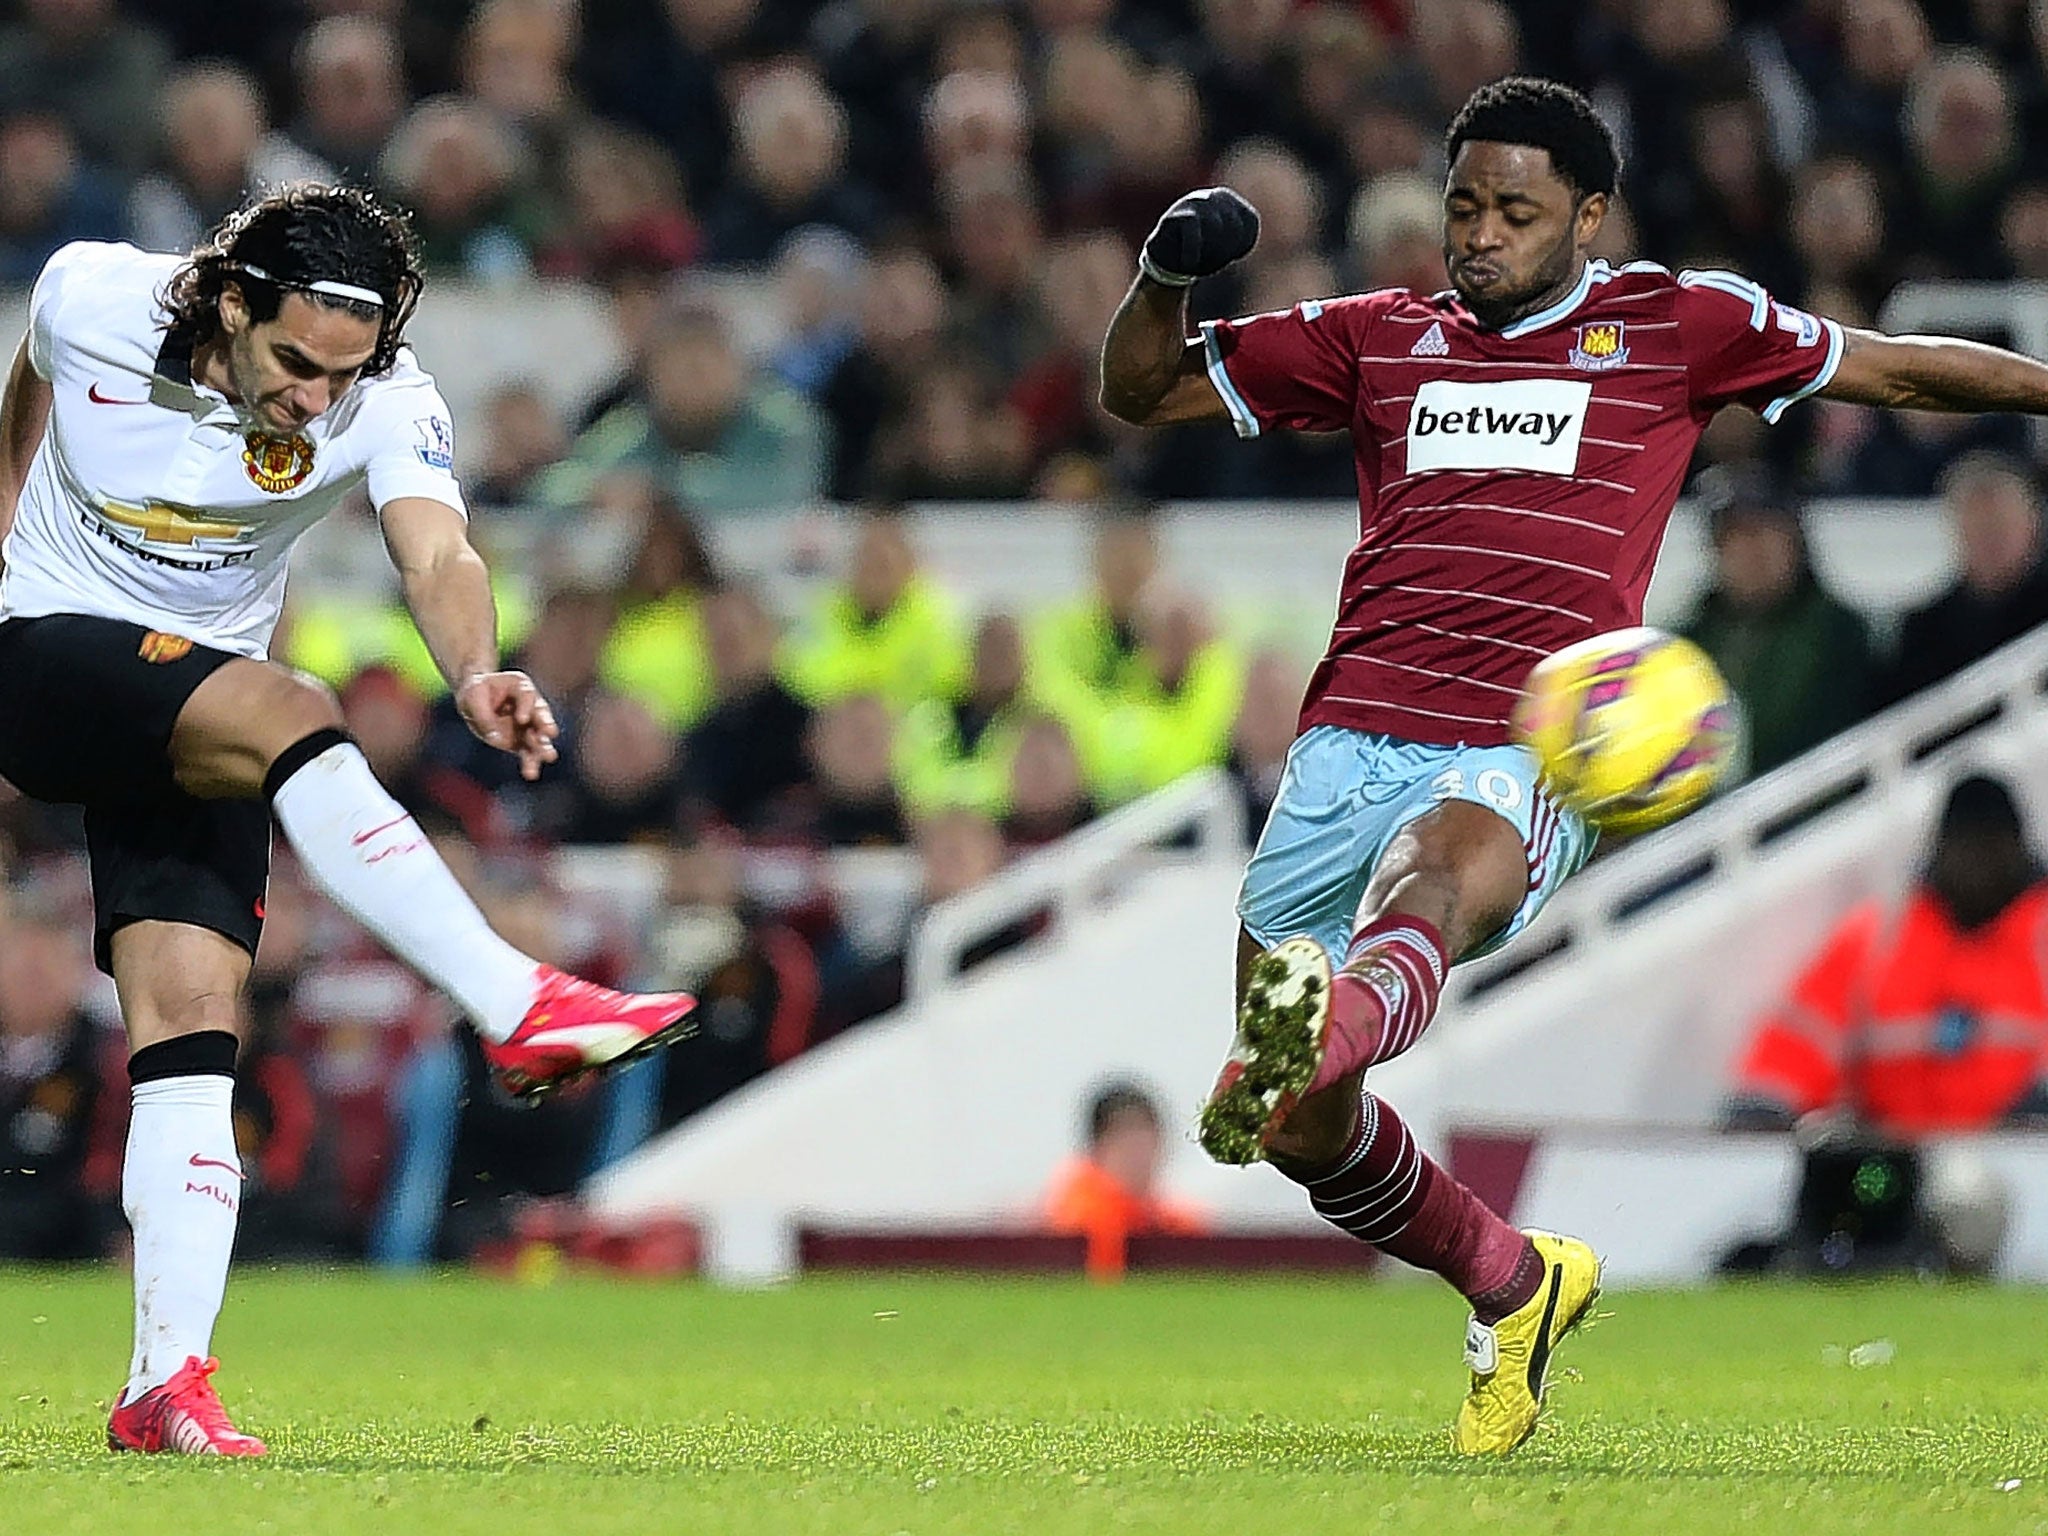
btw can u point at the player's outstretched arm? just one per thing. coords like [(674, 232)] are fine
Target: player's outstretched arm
[(1936, 373), (24, 412), (448, 589), (1152, 371)]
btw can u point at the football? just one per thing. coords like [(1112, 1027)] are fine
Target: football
[(1633, 728)]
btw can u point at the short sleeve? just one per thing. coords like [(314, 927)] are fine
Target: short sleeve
[(1295, 368), (413, 447), (1744, 347), (45, 301)]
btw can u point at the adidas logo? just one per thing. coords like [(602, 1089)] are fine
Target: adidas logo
[(1431, 343)]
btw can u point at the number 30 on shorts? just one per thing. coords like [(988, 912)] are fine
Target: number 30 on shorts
[(1496, 786)]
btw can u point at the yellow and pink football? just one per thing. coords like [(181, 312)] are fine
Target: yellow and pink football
[(1633, 728)]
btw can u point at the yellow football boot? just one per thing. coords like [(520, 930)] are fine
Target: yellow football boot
[(1509, 1359)]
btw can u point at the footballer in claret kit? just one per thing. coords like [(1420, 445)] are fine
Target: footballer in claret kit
[(1520, 439), (171, 426)]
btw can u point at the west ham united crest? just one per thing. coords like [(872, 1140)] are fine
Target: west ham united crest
[(1600, 347), (278, 464)]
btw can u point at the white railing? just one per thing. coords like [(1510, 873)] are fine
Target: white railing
[(1067, 876), (1918, 739)]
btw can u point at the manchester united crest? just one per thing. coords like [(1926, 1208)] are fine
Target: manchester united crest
[(1600, 346), (278, 464)]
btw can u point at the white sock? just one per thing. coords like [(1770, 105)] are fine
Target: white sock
[(371, 858), (181, 1185)]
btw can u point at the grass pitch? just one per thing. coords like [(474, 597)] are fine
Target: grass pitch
[(886, 1405)]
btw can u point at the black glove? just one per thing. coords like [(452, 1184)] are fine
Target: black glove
[(1201, 234)]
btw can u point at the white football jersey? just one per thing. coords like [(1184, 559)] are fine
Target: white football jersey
[(152, 500)]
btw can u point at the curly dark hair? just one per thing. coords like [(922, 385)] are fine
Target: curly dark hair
[(289, 239), (1543, 114)]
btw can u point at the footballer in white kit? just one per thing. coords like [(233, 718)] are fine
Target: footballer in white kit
[(171, 425)]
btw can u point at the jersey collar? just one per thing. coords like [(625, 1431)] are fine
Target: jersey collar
[(173, 387), (1594, 272)]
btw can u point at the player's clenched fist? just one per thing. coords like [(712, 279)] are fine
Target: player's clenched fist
[(1202, 233)]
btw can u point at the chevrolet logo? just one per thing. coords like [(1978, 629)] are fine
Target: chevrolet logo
[(161, 523)]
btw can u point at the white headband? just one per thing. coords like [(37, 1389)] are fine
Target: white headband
[(333, 290)]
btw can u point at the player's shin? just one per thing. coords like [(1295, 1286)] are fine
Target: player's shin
[(1383, 1189), (1383, 996), (181, 1186), (371, 858)]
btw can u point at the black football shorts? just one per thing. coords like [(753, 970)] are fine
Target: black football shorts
[(86, 710)]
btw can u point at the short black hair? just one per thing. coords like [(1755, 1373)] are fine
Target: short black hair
[(290, 238), (1114, 1100), (1543, 114)]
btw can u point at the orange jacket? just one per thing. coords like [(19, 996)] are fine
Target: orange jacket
[(1086, 1200), (1917, 1026)]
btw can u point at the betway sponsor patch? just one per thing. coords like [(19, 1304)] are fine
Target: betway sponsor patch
[(1532, 424)]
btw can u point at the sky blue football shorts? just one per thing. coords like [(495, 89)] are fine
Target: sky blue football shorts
[(1343, 796)]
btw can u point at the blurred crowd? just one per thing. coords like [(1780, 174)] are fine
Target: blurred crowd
[(937, 203), (946, 195)]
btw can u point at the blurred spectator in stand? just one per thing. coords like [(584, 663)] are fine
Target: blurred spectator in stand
[(819, 274), (2001, 588), (1395, 234), (1859, 451), (656, 653), (626, 225), (1799, 660), (1110, 1193), (1926, 1021), (1125, 136), (853, 801), (99, 73), (48, 196), (902, 310), (998, 245), (1092, 643), (958, 850), (1085, 279), (889, 629), (351, 93), (789, 168), (744, 759), (1239, 61), (2023, 233), (1739, 202), (664, 79), (1838, 232), (1963, 144), (522, 436), (704, 424), (876, 56), (1857, 75), (755, 983), (1047, 796), (514, 57), (955, 437), (955, 750), (218, 148), (1333, 52), (624, 783), (1267, 722), (1461, 45), (1176, 715), (465, 177), (1673, 55), (51, 1092)]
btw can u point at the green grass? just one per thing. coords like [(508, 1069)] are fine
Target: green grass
[(890, 1405)]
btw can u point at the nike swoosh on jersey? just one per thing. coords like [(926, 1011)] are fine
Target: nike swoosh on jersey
[(213, 1162), (93, 394)]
